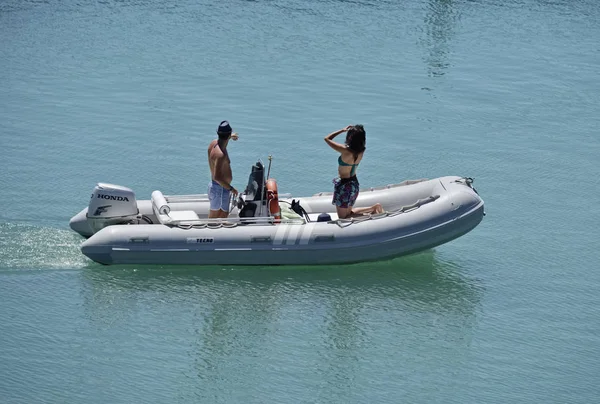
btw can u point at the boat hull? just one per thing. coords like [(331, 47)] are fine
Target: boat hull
[(452, 210), (286, 254)]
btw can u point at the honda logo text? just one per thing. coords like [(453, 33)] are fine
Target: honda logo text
[(113, 198)]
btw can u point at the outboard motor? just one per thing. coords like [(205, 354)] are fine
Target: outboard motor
[(111, 204)]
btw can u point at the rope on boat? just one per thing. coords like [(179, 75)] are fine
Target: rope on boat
[(468, 181), (207, 225), (340, 222), (404, 209)]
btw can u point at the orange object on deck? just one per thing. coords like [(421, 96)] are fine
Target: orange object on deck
[(273, 199)]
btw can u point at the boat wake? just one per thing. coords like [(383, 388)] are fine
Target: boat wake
[(30, 247)]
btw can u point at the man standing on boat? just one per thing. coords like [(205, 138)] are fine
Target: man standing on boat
[(220, 188)]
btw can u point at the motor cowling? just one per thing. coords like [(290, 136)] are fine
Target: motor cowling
[(111, 204)]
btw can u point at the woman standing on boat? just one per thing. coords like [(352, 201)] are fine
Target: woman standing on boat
[(346, 187)]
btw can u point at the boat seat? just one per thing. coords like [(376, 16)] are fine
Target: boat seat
[(183, 215)]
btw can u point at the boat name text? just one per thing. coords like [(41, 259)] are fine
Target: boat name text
[(199, 240)]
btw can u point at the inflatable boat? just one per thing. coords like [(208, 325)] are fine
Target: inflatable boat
[(267, 228)]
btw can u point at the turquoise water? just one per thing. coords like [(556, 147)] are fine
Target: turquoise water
[(130, 92)]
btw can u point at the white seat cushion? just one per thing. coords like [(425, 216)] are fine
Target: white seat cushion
[(183, 215)]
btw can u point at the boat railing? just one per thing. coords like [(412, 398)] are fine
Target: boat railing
[(374, 216), (187, 198), (232, 222), (269, 220), (204, 198), (166, 212), (190, 219)]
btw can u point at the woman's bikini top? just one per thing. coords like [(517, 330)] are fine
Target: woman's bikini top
[(343, 163)]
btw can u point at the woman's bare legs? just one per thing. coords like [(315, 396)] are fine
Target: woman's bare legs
[(343, 213), (377, 208)]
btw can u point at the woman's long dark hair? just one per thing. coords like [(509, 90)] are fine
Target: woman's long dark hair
[(356, 138)]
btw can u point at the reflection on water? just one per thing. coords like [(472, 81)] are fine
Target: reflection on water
[(331, 317), (419, 280), (440, 20)]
